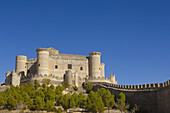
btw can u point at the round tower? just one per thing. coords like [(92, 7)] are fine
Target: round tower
[(94, 65), (102, 70), (20, 65), (42, 61)]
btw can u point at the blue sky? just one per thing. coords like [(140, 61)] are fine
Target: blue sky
[(132, 35)]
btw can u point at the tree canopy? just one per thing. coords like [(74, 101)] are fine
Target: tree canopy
[(34, 97)]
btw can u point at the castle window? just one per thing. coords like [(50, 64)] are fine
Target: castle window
[(81, 68), (56, 66), (69, 66), (38, 65)]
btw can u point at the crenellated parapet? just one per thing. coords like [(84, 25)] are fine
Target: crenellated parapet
[(55, 80), (95, 53), (30, 76), (142, 87)]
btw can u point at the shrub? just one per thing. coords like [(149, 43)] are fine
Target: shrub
[(89, 87), (75, 88), (65, 84)]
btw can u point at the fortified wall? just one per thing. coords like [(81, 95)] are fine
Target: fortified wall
[(152, 98)]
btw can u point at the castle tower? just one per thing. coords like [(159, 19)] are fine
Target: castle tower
[(20, 65), (94, 65), (112, 78), (42, 61), (102, 70), (15, 80)]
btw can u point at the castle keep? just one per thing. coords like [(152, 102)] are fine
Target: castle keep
[(50, 64)]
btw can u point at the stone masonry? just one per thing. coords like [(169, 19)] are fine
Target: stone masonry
[(50, 64)]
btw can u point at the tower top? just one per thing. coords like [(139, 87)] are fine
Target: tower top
[(95, 53)]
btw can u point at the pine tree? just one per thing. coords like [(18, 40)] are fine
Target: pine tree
[(36, 84), (72, 103), (89, 87), (65, 102), (121, 105), (11, 102), (39, 103), (94, 103), (49, 105), (2, 102)]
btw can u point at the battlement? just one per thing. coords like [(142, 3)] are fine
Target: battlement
[(142, 87), (41, 49), (95, 53)]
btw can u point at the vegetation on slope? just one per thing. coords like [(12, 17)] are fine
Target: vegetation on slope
[(47, 97)]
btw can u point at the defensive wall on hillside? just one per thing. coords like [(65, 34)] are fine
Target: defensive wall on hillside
[(152, 98)]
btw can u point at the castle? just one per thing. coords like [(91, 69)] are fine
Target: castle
[(50, 64), (78, 69)]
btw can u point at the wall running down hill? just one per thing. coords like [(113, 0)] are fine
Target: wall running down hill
[(152, 98)]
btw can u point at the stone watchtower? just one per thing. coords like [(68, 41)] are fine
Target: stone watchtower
[(42, 61), (20, 67), (94, 65)]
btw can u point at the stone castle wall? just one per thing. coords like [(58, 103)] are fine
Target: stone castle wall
[(154, 98), (163, 99), (79, 65), (49, 62)]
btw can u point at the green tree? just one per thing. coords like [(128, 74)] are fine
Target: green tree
[(82, 101), (65, 102), (89, 87), (40, 93), (39, 103), (72, 102), (110, 102), (59, 90), (31, 86), (2, 101), (94, 103), (76, 98), (11, 102), (36, 84), (52, 86), (121, 105), (25, 97), (65, 84), (31, 93), (59, 99), (49, 94), (107, 98), (44, 85), (75, 88), (30, 104), (49, 105)]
